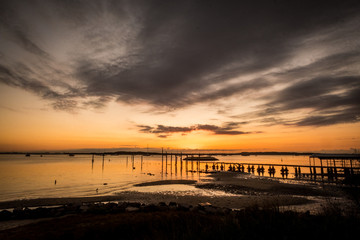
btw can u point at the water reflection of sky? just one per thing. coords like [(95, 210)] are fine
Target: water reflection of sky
[(34, 177)]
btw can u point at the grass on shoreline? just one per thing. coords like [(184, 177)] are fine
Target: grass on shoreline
[(250, 223)]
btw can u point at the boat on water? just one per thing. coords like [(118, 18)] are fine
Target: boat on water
[(203, 158)]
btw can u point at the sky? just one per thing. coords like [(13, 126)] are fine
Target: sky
[(229, 75)]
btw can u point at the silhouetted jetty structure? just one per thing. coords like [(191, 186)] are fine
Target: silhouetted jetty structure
[(331, 168), (336, 167), (201, 158)]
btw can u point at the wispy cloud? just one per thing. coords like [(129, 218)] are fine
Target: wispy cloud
[(174, 54), (329, 100)]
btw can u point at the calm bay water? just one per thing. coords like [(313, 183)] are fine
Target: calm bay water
[(76, 176)]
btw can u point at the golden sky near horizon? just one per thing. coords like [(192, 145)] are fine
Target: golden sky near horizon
[(90, 74), (35, 126)]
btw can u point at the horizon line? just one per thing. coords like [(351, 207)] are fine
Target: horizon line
[(171, 150)]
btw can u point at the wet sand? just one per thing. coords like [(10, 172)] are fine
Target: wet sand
[(243, 190), (248, 184), (223, 189), (165, 182)]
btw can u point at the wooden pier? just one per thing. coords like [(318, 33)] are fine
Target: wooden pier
[(332, 168), (325, 168)]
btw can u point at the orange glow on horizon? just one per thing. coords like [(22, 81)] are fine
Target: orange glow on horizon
[(320, 139), (26, 126)]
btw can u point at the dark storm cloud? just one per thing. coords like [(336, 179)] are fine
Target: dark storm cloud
[(174, 54), (186, 47), (162, 131), (331, 100)]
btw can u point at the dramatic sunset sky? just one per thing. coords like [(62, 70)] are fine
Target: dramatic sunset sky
[(241, 75)]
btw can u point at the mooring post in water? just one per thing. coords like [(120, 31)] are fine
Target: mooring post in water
[(331, 174), (175, 164), (282, 171), (346, 172), (133, 161), (181, 162), (171, 155), (286, 172), (162, 161), (322, 170), (141, 163), (310, 167), (166, 164), (198, 170), (102, 166)]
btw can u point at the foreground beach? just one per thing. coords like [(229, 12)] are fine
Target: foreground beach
[(222, 189), (224, 193)]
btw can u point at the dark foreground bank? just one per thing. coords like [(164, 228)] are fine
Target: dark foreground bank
[(262, 213), (174, 221)]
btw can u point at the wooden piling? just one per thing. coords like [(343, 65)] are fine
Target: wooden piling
[(171, 157), (181, 164), (322, 170), (162, 161), (102, 168), (141, 166), (166, 164)]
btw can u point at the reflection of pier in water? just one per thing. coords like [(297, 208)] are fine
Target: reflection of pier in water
[(333, 168)]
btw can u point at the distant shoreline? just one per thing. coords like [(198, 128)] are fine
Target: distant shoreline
[(159, 153)]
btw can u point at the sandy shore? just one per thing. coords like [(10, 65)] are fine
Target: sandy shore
[(247, 184), (165, 182), (223, 189), (245, 190)]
